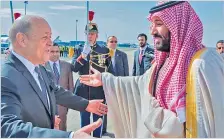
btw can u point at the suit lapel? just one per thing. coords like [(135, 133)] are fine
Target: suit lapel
[(44, 74), (138, 57), (35, 86), (116, 60), (146, 51), (60, 68), (61, 64), (143, 57), (48, 66), (21, 67)]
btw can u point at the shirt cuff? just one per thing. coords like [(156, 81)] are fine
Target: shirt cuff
[(71, 135)]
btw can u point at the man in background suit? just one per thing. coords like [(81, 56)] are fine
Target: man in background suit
[(119, 60), (28, 93), (142, 56), (62, 72), (220, 46)]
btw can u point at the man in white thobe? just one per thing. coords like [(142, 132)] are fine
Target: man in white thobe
[(181, 95)]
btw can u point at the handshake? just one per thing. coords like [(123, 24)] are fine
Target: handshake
[(97, 107)]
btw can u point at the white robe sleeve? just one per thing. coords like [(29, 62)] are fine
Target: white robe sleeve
[(134, 112), (209, 88)]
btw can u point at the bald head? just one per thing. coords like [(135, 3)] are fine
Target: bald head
[(31, 38), (24, 25)]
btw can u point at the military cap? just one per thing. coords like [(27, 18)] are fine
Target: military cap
[(92, 28)]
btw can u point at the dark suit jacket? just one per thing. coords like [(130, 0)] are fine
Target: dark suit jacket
[(121, 64), (66, 77), (23, 111), (141, 68), (82, 67)]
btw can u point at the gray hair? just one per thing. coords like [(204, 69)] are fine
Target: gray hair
[(22, 25)]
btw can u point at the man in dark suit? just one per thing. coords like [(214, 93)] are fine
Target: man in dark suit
[(28, 92), (142, 56), (119, 59), (62, 72), (99, 58), (220, 46)]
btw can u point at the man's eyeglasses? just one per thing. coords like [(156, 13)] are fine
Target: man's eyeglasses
[(113, 41), (220, 48)]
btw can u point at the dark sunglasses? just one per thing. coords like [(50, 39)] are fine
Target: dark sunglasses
[(113, 41), (220, 48)]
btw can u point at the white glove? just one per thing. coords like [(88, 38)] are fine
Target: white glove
[(86, 50)]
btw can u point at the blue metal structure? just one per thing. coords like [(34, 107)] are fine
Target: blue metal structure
[(11, 12), (25, 2)]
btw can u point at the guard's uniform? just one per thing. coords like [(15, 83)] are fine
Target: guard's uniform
[(100, 59)]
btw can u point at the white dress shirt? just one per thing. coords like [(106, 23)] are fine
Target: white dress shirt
[(113, 58), (57, 65), (143, 48)]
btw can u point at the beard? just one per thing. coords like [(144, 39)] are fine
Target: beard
[(142, 45), (162, 43)]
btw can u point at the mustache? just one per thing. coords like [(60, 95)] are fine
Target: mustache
[(157, 36), (161, 36)]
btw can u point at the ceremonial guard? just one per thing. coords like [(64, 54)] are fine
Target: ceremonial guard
[(98, 57)]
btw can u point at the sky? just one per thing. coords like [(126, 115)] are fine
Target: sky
[(124, 19)]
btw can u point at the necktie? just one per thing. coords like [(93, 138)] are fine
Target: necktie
[(140, 56), (43, 87), (57, 76), (56, 73)]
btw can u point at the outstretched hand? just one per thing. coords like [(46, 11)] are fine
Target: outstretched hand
[(93, 79), (86, 130), (96, 106)]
